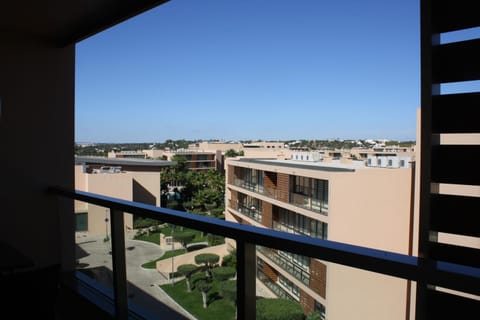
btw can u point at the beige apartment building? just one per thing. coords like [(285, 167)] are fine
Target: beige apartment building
[(345, 201), (196, 160), (214, 146), (127, 179)]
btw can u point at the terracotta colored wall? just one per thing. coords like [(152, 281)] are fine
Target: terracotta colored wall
[(283, 187), (267, 214), (270, 179), (270, 272), (318, 277), (229, 174), (307, 302)]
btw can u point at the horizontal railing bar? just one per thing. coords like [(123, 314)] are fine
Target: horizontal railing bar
[(458, 277)]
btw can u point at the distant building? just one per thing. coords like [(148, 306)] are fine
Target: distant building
[(127, 164), (127, 179), (196, 160), (127, 154), (214, 146)]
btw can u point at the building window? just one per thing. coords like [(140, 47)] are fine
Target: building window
[(296, 223), (289, 286), (320, 308), (249, 206), (250, 179), (299, 260), (310, 193), (318, 229)]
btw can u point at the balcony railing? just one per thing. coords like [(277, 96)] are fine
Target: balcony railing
[(249, 185), (251, 212), (309, 203), (282, 227), (272, 285), (274, 193), (287, 265), (297, 199), (425, 271)]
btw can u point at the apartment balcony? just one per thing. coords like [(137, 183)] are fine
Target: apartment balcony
[(274, 286), (288, 265), (297, 199), (251, 212), (308, 202), (275, 193), (248, 185)]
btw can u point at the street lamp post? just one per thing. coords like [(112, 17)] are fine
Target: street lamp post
[(173, 228), (106, 225)]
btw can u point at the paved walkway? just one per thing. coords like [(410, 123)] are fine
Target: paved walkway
[(143, 288)]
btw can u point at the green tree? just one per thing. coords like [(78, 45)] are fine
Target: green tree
[(217, 212), (209, 207), (228, 290), (231, 153), (187, 270), (188, 206), (203, 286), (173, 204), (182, 164), (223, 273), (230, 260), (208, 260), (313, 316), (279, 309), (184, 237), (214, 239)]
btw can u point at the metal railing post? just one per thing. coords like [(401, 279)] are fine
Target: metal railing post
[(118, 264), (246, 286)]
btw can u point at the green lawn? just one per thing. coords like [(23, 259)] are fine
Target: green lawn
[(218, 308), (155, 236), (168, 254), (167, 231)]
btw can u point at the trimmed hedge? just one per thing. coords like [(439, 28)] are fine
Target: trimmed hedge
[(279, 309), (223, 273)]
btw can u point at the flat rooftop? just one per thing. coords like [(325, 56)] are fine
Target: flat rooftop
[(332, 166), (124, 161)]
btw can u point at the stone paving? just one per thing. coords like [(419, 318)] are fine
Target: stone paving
[(143, 288)]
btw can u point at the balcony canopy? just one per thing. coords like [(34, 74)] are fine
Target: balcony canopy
[(66, 22)]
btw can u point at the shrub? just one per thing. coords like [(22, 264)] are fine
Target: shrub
[(230, 260), (210, 206), (217, 212), (279, 309), (214, 240), (139, 223), (208, 259), (187, 270), (184, 237), (228, 290), (223, 273), (313, 316)]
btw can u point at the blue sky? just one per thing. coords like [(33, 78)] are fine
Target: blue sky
[(253, 69)]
